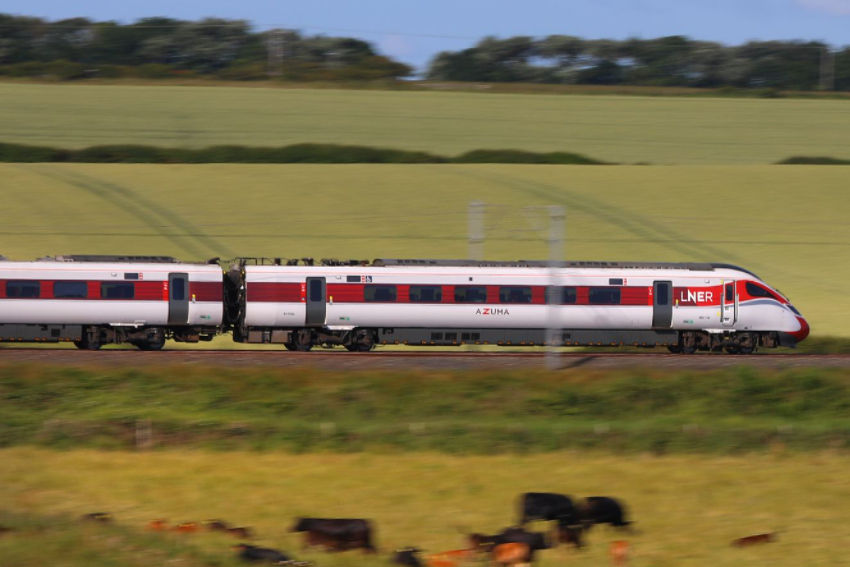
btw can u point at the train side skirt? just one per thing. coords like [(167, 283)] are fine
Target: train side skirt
[(525, 337)]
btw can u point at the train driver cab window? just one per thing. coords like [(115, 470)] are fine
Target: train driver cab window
[(470, 294), (23, 289), (730, 292), (604, 296), (117, 290), (514, 294), (426, 293), (70, 290), (379, 293), (758, 291)]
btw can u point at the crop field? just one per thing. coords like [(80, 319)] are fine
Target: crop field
[(686, 509), (788, 224), (622, 129)]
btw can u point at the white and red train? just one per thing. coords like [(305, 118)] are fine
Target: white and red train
[(97, 300)]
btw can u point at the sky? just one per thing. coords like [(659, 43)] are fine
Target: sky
[(414, 31)]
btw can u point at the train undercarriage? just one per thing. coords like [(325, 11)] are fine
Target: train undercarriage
[(92, 337), (365, 339)]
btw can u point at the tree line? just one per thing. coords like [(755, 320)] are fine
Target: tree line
[(160, 47), (164, 47), (666, 61)]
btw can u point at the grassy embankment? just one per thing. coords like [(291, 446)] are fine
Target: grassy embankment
[(450, 411)]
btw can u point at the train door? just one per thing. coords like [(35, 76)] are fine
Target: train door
[(316, 304), (178, 299), (729, 304), (662, 305)]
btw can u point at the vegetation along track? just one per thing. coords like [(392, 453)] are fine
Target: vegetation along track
[(338, 360)]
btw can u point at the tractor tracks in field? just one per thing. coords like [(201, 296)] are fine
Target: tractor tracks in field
[(156, 216)]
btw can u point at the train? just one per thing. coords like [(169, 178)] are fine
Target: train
[(300, 303)]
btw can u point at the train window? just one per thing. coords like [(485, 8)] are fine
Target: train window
[(117, 290), (178, 289), (515, 294), (352, 279), (758, 291), (568, 295), (662, 294), (730, 292), (316, 290), (470, 294), (604, 296), (70, 290), (23, 289), (615, 281), (426, 293), (379, 293)]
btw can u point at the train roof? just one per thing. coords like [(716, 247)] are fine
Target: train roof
[(690, 266), (431, 262)]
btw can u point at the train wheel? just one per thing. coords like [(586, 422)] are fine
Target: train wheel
[(151, 344), (90, 340), (747, 343), (303, 341), (363, 341), (687, 343)]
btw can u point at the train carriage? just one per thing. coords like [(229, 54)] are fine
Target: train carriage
[(97, 300), (684, 306)]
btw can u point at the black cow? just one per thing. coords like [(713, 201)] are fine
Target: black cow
[(408, 557), (547, 506), (336, 534), (603, 510), (258, 554)]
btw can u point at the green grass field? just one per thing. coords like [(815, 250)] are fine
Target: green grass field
[(788, 224), (687, 509), (624, 129)]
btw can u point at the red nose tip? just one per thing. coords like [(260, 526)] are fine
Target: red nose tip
[(803, 332)]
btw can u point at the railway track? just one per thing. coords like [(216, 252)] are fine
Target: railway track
[(343, 360)]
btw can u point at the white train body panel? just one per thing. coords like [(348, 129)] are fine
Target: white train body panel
[(697, 301), (57, 292)]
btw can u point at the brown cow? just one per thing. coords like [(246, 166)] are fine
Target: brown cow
[(451, 558), (512, 554), (186, 528), (619, 552)]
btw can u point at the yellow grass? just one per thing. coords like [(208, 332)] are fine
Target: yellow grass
[(687, 508)]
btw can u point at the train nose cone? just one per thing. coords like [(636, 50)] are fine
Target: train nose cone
[(803, 332)]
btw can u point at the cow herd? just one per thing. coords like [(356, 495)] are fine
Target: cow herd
[(512, 546)]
